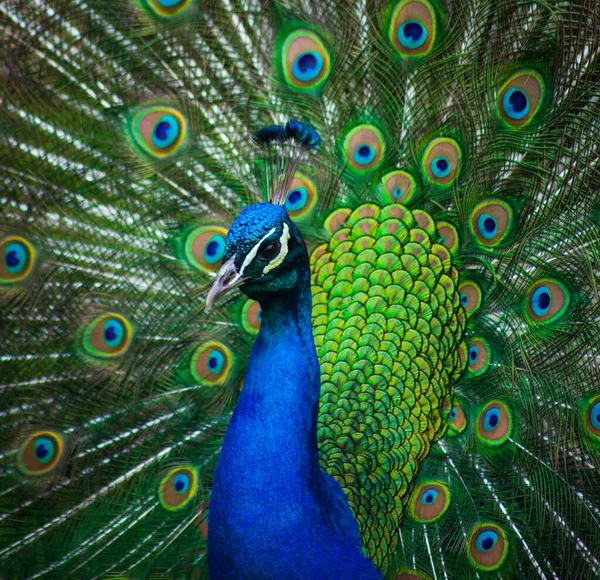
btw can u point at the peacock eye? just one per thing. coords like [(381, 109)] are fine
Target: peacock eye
[(251, 316), (592, 416), (491, 419), (547, 300), (398, 186), (412, 28), (168, 8), (16, 259), (108, 336), (457, 420), (491, 221), (441, 161), (520, 98), (306, 61), (429, 502), (211, 363), (494, 425), (40, 453), (205, 246), (178, 488), (470, 296), (488, 547), (364, 148), (159, 131), (301, 197), (269, 251)]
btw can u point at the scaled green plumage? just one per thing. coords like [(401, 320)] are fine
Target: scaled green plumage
[(490, 264)]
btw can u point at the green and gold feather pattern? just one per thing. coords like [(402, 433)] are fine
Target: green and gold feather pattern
[(453, 213), (388, 327)]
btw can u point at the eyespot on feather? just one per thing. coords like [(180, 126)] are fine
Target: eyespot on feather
[(363, 148), (178, 488), (301, 197), (479, 356), (205, 246), (592, 416), (488, 547), (159, 131), (457, 420), (40, 453), (17, 257), (336, 219), (471, 296), (211, 363), (306, 62), (251, 316), (429, 501), (494, 423), (441, 161), (398, 186), (167, 8), (491, 221), (520, 98), (547, 301), (449, 236), (412, 28), (108, 336)]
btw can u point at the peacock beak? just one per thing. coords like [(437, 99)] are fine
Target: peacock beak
[(227, 278)]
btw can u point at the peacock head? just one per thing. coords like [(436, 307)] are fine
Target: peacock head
[(264, 254)]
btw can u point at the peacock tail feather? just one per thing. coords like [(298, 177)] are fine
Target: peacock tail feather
[(452, 212)]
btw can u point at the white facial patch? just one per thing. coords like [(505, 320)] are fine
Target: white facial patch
[(283, 252), (252, 253)]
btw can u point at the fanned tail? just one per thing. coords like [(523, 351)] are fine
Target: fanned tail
[(125, 153)]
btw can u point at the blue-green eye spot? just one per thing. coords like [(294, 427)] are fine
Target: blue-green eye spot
[(464, 299), (486, 541), (168, 3), (440, 167), (215, 362), (397, 193), (214, 249), (516, 104), (541, 300), (114, 332), (595, 416), (166, 132), (491, 419), (412, 34), (44, 450), (296, 199), (364, 154), (307, 66), (181, 483), (452, 414), (487, 226), (15, 257), (473, 354), (429, 496)]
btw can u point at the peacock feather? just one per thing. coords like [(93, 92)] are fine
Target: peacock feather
[(391, 210)]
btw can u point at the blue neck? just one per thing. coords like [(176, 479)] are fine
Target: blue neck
[(273, 512), (277, 410)]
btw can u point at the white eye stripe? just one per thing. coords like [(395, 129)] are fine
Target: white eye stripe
[(283, 252)]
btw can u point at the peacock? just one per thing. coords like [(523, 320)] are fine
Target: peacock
[(299, 289)]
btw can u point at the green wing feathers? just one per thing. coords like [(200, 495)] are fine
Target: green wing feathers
[(388, 327), (452, 213)]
